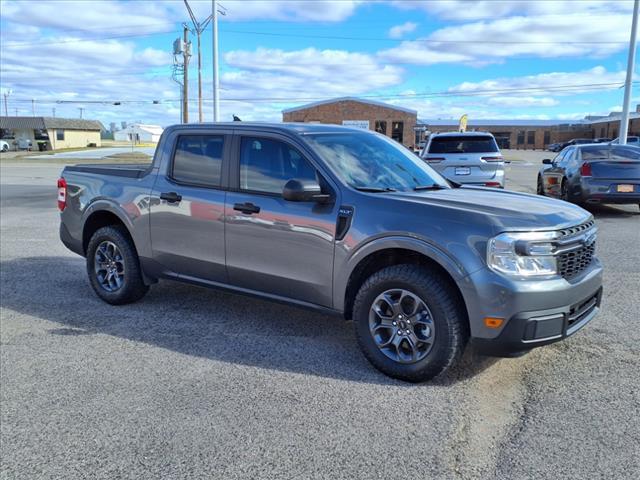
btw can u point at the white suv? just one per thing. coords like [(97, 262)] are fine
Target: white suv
[(466, 158)]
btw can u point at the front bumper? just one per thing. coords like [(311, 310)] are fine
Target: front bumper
[(535, 313)]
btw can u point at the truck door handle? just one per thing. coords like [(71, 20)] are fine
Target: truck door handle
[(246, 207), (171, 197)]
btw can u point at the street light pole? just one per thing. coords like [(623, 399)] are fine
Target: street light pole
[(624, 120), (216, 83)]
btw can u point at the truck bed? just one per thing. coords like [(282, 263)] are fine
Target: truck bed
[(130, 170)]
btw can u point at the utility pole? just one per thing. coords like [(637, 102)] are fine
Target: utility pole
[(33, 107), (624, 119), (216, 82), (198, 27), (6, 109), (185, 85), (53, 112), (81, 109)]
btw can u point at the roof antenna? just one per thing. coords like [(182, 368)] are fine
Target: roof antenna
[(236, 118)]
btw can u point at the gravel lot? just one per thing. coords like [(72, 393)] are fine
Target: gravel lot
[(193, 383)]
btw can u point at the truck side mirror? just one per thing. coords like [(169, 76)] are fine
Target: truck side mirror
[(296, 190), (547, 161)]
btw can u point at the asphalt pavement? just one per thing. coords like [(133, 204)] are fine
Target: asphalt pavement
[(194, 383)]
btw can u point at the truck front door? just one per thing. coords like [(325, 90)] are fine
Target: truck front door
[(276, 246)]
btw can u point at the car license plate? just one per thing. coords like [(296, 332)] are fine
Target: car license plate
[(463, 171), (625, 189)]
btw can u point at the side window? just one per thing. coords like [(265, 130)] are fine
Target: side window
[(559, 157), (568, 156), (266, 165), (198, 159)]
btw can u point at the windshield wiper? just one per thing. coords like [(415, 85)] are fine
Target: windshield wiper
[(375, 189), (433, 186)]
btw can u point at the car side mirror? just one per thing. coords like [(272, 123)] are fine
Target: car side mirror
[(547, 161), (296, 190)]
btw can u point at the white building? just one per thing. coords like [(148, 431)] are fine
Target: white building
[(139, 133)]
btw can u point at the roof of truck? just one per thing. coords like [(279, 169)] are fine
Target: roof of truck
[(301, 128)]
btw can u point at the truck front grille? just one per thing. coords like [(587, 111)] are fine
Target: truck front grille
[(570, 264)]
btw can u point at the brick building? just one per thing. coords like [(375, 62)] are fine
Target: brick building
[(538, 134), (403, 125), (396, 122)]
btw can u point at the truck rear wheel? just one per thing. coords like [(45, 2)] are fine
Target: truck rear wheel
[(409, 323), (113, 266)]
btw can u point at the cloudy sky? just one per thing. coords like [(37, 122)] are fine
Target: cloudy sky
[(490, 59)]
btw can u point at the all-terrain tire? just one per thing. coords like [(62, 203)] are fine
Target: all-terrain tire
[(132, 286), (449, 321)]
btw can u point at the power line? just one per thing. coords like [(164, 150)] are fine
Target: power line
[(445, 93), (434, 41), (327, 37)]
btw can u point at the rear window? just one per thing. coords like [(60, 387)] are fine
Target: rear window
[(607, 152), (463, 144), (198, 159)]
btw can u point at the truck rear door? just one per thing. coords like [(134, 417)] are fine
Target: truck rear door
[(187, 206)]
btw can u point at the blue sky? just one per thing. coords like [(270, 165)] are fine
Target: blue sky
[(490, 59)]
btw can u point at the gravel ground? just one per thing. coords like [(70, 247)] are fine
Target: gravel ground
[(194, 383)]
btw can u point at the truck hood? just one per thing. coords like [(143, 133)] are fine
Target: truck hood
[(506, 210)]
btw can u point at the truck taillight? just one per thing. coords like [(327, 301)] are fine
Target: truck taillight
[(62, 194), (585, 169)]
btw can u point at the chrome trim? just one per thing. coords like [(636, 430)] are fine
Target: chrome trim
[(590, 316)]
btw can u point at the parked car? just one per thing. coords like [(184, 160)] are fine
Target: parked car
[(596, 173), (555, 147), (602, 140), (342, 221), (466, 158), (631, 140), (4, 146)]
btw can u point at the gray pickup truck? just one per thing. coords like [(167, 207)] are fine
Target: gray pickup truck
[(346, 222)]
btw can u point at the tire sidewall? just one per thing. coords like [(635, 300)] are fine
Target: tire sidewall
[(113, 235), (435, 361)]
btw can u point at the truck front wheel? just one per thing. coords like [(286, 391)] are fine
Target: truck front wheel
[(409, 323), (113, 266)]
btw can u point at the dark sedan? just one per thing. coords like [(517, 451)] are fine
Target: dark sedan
[(595, 173)]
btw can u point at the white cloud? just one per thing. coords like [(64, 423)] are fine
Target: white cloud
[(307, 73), (546, 36), (522, 102), (400, 31), (464, 10), (546, 82)]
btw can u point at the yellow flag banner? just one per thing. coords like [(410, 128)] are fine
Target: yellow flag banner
[(462, 125)]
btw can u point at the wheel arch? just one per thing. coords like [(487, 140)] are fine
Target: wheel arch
[(100, 215), (380, 254)]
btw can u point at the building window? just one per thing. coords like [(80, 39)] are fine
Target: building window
[(60, 135), (381, 126), (531, 138), (547, 137), (602, 132), (520, 140), (396, 131), (615, 133)]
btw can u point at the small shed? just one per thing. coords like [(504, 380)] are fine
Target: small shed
[(139, 133)]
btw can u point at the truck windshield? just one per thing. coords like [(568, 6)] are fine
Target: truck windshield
[(463, 144), (373, 162)]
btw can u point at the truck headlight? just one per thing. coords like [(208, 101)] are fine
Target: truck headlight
[(523, 254)]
